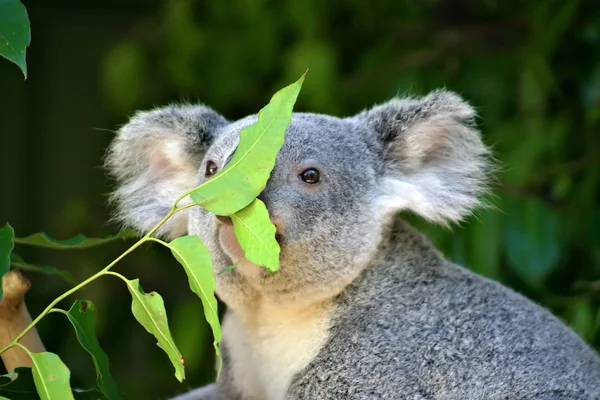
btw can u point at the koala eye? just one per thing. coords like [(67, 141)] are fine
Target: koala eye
[(211, 168), (310, 175)]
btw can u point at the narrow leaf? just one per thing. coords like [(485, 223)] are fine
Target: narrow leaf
[(149, 310), (246, 175), (82, 315), (6, 246), (40, 239), (15, 34), (19, 385), (19, 263), (51, 377), (195, 259), (256, 235), (20, 388)]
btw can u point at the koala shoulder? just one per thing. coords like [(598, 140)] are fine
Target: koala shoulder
[(418, 325)]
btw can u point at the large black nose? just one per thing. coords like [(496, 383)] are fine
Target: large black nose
[(224, 220)]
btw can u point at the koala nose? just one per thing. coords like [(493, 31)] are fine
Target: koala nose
[(262, 197), (224, 220)]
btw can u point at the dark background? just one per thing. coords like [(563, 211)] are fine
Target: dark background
[(531, 68)]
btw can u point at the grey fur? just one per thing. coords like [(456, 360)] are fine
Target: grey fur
[(391, 318)]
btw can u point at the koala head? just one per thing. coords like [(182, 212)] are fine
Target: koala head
[(336, 184)]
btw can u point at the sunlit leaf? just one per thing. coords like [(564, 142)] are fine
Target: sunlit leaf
[(40, 239), (256, 235), (246, 175), (6, 246), (15, 34), (82, 315), (149, 310), (196, 261), (51, 376), (19, 263)]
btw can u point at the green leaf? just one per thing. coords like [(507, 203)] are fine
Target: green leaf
[(87, 394), (40, 239), (15, 34), (6, 246), (485, 243), (82, 315), (20, 388), (583, 320), (256, 235), (51, 376), (19, 263), (531, 235), (196, 261), (246, 175), (149, 310)]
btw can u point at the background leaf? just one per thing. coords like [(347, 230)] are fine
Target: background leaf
[(149, 310), (21, 388), (40, 239), (15, 34), (51, 376), (256, 235), (196, 261), (82, 315), (532, 241), (6, 246), (246, 175), (19, 263)]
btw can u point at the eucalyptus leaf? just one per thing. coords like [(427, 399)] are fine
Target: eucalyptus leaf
[(246, 175), (6, 246), (15, 34), (20, 388), (196, 261), (40, 239), (51, 377), (19, 263), (149, 310), (82, 316), (256, 235)]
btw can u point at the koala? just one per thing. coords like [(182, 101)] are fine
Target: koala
[(363, 306)]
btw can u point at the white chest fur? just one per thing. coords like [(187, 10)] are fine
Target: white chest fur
[(269, 345)]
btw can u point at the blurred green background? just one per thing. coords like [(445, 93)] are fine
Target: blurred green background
[(531, 68)]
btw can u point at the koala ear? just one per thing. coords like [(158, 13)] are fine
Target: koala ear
[(435, 163), (154, 159)]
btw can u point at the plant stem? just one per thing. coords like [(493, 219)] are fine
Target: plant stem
[(58, 310), (98, 274)]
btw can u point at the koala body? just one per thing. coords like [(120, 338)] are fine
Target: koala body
[(363, 306)]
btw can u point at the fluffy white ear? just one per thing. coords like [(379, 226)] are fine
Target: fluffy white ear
[(434, 160), (154, 159)]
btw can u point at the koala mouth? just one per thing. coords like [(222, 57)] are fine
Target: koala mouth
[(227, 239), (229, 242)]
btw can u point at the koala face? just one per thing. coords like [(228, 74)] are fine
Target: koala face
[(336, 184), (320, 195)]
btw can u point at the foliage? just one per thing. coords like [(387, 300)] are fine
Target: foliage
[(40, 239), (50, 375), (256, 238), (15, 34), (246, 175)]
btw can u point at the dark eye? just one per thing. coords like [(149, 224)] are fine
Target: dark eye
[(211, 168), (310, 175)]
